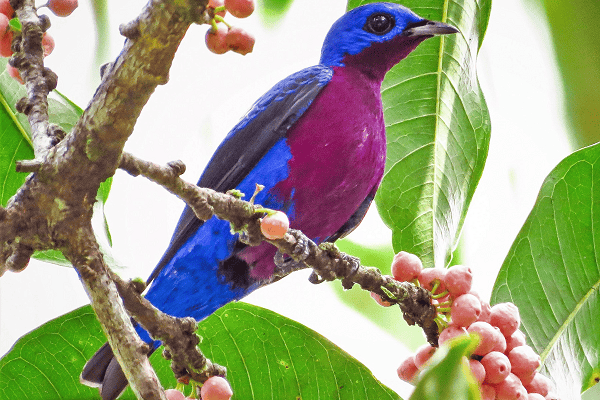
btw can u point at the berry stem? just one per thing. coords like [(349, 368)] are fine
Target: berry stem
[(180, 386), (218, 18), (258, 189), (213, 25), (219, 9), (436, 285), (440, 295), (446, 303), (263, 210)]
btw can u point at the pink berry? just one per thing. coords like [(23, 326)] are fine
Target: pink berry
[(458, 280), (240, 8), (62, 8), (407, 371), (14, 73), (487, 337), (6, 8), (216, 388), (47, 43), (430, 276), (423, 355), (3, 24), (465, 310), (215, 41), (497, 367), (514, 340), (487, 392), (524, 361), (5, 44), (486, 312), (527, 378), (506, 317), (406, 266), (535, 396), (275, 226), (174, 394), (500, 341), (217, 3), (539, 384), (451, 332), (477, 370), (510, 389), (379, 300), (239, 41)]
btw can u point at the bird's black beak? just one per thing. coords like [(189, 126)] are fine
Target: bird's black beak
[(428, 28)]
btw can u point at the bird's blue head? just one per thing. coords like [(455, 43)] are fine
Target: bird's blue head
[(374, 37)]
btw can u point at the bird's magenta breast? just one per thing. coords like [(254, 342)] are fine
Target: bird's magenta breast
[(338, 154)]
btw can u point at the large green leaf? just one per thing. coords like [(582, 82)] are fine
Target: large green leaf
[(438, 131), (576, 37), (15, 134), (267, 356), (552, 274)]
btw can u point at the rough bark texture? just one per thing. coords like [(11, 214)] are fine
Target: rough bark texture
[(53, 209)]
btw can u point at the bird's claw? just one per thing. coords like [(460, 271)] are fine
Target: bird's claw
[(302, 247), (295, 261), (286, 265)]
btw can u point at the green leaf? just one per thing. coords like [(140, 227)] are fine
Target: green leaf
[(273, 11), (15, 136), (438, 131), (46, 363), (270, 356), (551, 272), (448, 376), (266, 355), (389, 318), (575, 35)]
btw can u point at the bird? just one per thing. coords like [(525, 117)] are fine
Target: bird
[(315, 141)]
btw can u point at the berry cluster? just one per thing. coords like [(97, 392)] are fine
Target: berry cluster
[(215, 388), (9, 25), (503, 364), (222, 37)]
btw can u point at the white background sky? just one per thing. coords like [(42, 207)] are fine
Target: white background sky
[(206, 96)]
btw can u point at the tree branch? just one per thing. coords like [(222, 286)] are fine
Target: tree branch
[(178, 335), (327, 262), (129, 349)]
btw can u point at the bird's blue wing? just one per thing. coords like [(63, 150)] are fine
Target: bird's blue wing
[(267, 122)]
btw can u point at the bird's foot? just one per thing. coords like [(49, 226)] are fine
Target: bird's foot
[(286, 264), (302, 247), (345, 270)]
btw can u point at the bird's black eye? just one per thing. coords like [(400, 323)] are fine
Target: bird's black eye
[(380, 23)]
